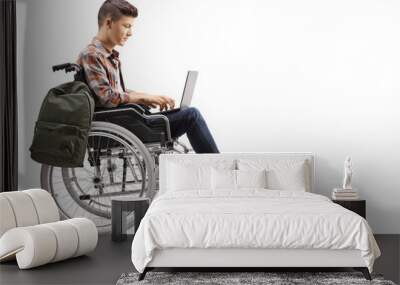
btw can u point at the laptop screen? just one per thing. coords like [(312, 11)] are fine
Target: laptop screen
[(188, 90)]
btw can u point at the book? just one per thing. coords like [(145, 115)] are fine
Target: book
[(345, 194), (341, 190), (340, 197), (346, 199)]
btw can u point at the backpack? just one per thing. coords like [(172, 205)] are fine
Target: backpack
[(63, 125)]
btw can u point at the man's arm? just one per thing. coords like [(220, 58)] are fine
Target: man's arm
[(96, 77), (152, 101), (137, 97)]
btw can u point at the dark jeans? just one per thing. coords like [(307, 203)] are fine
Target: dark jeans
[(191, 122)]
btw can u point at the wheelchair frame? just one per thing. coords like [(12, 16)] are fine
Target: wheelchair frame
[(143, 138)]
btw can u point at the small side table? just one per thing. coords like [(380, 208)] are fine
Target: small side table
[(357, 206), (120, 208)]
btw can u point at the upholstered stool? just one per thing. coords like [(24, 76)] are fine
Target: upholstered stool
[(120, 207), (31, 232)]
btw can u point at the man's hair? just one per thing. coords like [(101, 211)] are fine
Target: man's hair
[(116, 9)]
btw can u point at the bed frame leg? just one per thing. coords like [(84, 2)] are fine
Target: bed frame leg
[(364, 271), (143, 274)]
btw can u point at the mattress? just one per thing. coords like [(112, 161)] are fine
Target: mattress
[(250, 219)]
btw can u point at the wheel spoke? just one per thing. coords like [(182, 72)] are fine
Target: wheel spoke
[(68, 184)]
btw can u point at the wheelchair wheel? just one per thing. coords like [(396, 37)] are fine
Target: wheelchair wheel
[(116, 164)]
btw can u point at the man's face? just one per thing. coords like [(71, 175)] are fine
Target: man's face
[(120, 30)]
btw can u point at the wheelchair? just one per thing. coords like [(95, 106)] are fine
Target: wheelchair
[(121, 159)]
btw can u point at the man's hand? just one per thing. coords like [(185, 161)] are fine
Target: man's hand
[(163, 102)]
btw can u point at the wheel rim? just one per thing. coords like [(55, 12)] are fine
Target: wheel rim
[(99, 185), (88, 190)]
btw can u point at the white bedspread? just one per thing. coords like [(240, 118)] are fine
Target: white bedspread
[(250, 219)]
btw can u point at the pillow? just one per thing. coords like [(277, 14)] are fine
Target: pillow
[(223, 179), (251, 178), (204, 159), (181, 177), (282, 174), (287, 179), (227, 179)]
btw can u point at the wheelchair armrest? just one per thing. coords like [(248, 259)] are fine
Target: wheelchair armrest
[(143, 109), (137, 111), (138, 107)]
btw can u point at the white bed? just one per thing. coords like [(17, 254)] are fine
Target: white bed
[(230, 226)]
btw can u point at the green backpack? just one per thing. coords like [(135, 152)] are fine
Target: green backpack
[(63, 125)]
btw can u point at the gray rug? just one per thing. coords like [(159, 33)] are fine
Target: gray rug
[(269, 278)]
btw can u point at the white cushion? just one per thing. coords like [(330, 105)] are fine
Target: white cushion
[(23, 208), (269, 161), (45, 206), (223, 179), (230, 180), (67, 240), (40, 244), (282, 174), (87, 235), (183, 177), (251, 178), (31, 246), (34, 244), (218, 161), (7, 220), (26, 208), (287, 179)]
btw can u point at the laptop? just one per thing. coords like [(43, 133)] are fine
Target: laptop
[(187, 95)]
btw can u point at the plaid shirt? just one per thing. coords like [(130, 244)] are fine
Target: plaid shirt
[(102, 73)]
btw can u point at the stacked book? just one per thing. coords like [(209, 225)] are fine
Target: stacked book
[(344, 194)]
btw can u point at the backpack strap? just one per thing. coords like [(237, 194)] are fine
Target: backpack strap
[(121, 79)]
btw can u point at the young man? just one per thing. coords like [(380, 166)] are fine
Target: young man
[(102, 70)]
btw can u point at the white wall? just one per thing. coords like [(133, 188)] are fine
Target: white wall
[(320, 76)]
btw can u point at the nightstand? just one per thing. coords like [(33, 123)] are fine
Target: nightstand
[(357, 206)]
